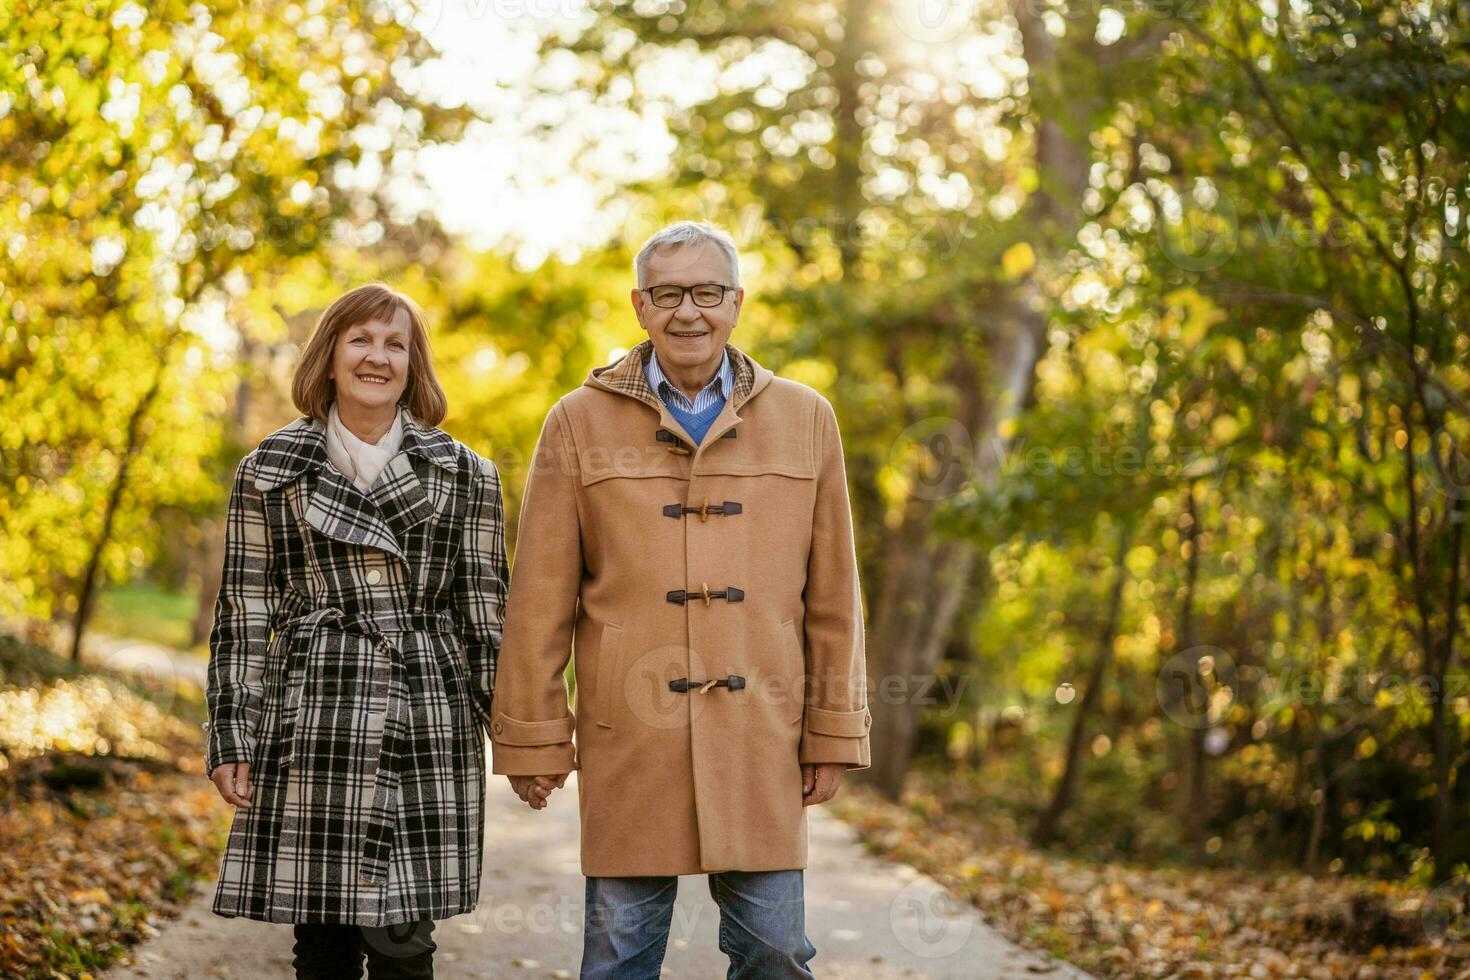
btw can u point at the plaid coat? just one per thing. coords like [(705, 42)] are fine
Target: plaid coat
[(352, 663)]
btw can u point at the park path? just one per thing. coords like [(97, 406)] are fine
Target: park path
[(156, 667), (867, 917)]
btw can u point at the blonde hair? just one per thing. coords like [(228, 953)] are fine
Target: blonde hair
[(312, 390)]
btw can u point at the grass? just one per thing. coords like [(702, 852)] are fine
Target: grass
[(148, 611)]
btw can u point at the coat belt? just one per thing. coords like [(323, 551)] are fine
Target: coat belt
[(382, 818)]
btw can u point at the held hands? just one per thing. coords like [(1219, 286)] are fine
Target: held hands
[(819, 782), (533, 790), (233, 782)]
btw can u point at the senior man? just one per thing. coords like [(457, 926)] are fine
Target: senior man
[(686, 537)]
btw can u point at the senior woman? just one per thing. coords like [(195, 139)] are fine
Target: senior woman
[(352, 657)]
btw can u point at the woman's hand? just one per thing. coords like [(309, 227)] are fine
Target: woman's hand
[(533, 790), (233, 782)]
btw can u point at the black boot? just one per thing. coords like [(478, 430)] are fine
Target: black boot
[(400, 952), (327, 951)]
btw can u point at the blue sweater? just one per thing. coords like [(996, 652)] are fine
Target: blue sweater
[(696, 423), (695, 416)]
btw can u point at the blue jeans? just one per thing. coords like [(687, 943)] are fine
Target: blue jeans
[(762, 925)]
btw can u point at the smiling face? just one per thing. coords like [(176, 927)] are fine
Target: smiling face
[(689, 338), (370, 364)]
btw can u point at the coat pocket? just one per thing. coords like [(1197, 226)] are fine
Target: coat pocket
[(608, 651), (453, 674), (796, 670)]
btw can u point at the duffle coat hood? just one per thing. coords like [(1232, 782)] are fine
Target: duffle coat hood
[(661, 568), (352, 664)]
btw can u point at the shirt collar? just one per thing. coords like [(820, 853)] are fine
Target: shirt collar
[(724, 378)]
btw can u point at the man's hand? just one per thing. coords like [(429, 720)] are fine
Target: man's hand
[(533, 790), (819, 783), (233, 782)]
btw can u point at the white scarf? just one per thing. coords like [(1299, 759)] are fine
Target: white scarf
[(360, 461)]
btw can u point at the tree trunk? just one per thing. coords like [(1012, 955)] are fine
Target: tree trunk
[(922, 592), (211, 562), (88, 584), (924, 582), (1046, 826), (212, 553), (848, 134), (1319, 815), (1196, 819), (1442, 835)]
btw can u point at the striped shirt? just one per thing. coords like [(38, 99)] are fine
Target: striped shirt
[(718, 389)]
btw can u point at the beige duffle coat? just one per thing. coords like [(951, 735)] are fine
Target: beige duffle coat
[(658, 567)]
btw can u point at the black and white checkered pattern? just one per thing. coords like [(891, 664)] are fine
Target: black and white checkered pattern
[(352, 664)]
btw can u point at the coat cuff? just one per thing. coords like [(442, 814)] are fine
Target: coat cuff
[(836, 738), (226, 745), (532, 748)]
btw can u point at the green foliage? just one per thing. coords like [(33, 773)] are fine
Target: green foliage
[(1302, 376), (144, 611), (160, 163), (1234, 232)]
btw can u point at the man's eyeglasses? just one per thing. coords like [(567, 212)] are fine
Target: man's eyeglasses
[(706, 294)]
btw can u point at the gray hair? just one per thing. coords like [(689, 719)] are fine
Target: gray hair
[(682, 233)]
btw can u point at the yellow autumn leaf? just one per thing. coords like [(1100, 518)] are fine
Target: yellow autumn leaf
[(1017, 260), (85, 896), (1234, 352)]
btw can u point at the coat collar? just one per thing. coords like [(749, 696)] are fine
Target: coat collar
[(625, 376), (336, 508), (302, 446)]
